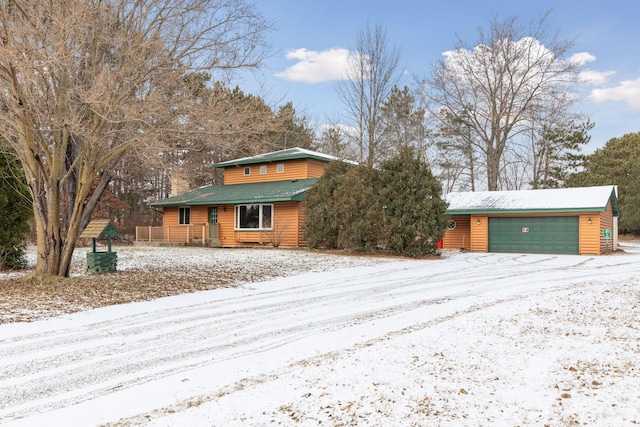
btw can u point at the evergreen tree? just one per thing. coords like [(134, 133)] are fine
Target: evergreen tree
[(360, 208), (616, 164), (15, 206), (361, 216), (324, 207), (414, 212), (402, 122)]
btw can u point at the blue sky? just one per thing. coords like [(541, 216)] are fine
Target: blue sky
[(311, 38)]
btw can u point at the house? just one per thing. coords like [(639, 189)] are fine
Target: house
[(557, 221), (259, 203)]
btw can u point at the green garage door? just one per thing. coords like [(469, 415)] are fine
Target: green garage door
[(546, 235)]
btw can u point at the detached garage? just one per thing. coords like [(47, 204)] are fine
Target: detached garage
[(554, 221)]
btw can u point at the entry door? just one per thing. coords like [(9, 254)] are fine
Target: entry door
[(213, 222)]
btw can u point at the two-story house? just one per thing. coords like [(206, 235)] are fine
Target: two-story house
[(260, 202)]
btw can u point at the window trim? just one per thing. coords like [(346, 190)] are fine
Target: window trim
[(247, 170), (280, 168), (184, 215), (236, 220), (263, 169)]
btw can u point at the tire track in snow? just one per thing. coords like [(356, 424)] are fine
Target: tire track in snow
[(60, 368)]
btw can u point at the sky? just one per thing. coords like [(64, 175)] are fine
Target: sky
[(311, 40)]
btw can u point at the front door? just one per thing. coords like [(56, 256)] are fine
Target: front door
[(213, 222)]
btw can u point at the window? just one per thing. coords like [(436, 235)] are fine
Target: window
[(263, 169), (258, 217), (280, 168), (184, 216), (213, 215), (247, 171)]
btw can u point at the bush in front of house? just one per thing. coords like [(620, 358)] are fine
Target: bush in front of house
[(397, 207)]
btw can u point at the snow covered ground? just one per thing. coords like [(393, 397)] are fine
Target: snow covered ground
[(472, 339)]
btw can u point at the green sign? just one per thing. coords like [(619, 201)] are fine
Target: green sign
[(606, 233)]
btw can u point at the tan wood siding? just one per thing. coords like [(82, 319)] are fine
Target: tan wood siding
[(225, 225), (459, 237), (286, 224), (315, 168), (285, 231), (589, 234), (170, 217), (293, 169), (479, 233)]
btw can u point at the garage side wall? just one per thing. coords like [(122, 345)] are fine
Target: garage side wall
[(606, 222)]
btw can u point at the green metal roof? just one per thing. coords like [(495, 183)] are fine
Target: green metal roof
[(260, 192), (279, 156)]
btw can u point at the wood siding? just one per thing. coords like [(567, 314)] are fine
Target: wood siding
[(589, 234), (606, 222), (459, 237), (479, 233), (293, 169)]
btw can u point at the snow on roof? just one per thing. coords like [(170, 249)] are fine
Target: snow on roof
[(560, 199), (287, 154)]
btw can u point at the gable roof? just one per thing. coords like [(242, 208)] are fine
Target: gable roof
[(579, 199), (278, 156), (100, 229), (259, 192)]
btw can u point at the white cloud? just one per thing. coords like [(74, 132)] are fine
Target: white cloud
[(595, 77), (582, 58), (316, 66), (627, 91)]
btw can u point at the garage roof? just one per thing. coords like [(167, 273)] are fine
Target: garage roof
[(260, 192), (579, 199)]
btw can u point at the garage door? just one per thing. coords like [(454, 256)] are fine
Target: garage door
[(547, 235)]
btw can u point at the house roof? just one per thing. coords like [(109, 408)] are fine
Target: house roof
[(260, 192), (278, 156), (579, 199)]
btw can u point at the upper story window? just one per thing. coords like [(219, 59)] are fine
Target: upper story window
[(184, 216), (247, 171), (280, 168), (263, 169)]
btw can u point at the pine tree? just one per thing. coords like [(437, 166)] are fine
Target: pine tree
[(324, 206), (15, 206), (616, 164), (414, 212)]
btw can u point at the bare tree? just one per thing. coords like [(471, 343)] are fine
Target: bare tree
[(370, 76), (493, 88), (84, 83)]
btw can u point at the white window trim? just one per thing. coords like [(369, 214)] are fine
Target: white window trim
[(181, 217), (236, 220), (263, 169), (280, 168), (247, 170)]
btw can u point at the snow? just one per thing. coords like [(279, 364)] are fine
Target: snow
[(595, 198), (471, 339)]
